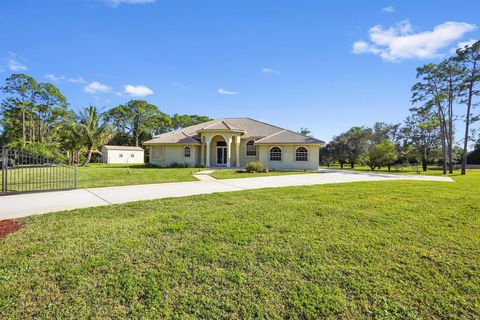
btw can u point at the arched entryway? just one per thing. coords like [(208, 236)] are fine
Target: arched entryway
[(221, 149), (218, 151)]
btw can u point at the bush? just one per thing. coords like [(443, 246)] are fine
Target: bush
[(178, 165), (255, 166)]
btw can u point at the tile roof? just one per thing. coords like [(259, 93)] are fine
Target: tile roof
[(252, 129), (288, 137)]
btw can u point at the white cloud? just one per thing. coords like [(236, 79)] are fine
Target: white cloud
[(179, 85), (400, 42), (226, 92), (14, 65), (389, 9), (54, 78), (77, 80), (97, 87), (116, 3), (138, 91), (463, 44), (270, 71)]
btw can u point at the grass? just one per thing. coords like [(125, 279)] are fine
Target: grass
[(104, 175), (232, 174), (431, 170), (95, 175), (390, 249)]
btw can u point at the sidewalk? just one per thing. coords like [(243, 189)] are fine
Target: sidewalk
[(23, 205)]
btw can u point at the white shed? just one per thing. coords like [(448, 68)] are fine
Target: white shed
[(122, 154)]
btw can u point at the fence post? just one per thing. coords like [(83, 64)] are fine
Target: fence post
[(4, 169)]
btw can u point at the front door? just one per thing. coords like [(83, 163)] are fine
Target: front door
[(221, 156)]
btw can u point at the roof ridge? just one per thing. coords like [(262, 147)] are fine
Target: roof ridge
[(273, 134), (213, 123)]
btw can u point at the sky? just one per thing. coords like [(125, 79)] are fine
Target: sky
[(323, 65)]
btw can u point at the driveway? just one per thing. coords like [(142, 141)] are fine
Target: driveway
[(23, 205)]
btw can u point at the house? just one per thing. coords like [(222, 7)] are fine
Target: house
[(122, 154), (234, 142)]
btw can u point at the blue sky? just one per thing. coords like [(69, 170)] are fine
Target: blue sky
[(322, 65)]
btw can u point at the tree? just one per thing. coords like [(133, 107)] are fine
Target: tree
[(357, 139), (305, 131), (185, 120), (451, 74), (474, 155), (421, 131), (327, 155), (469, 57), (135, 118), (24, 91), (380, 154), (93, 131), (428, 91), (338, 150)]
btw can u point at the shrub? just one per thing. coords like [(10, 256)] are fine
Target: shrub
[(255, 166), (178, 165)]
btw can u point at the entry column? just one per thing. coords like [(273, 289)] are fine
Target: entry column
[(229, 152), (207, 156), (237, 145)]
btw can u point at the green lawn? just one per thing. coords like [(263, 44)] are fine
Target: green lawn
[(231, 174), (380, 250), (431, 170), (103, 175)]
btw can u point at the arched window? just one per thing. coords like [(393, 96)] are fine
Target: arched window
[(301, 154), (251, 150), (275, 154), (186, 152)]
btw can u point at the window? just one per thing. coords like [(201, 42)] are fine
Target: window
[(132, 155), (301, 154), (221, 144), (186, 152), (158, 152), (121, 155), (275, 154), (251, 150)]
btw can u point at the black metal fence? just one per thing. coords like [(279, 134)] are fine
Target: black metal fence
[(23, 173)]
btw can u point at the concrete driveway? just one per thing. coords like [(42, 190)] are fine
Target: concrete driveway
[(23, 205)]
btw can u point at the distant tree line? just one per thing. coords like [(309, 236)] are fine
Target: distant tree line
[(36, 117), (444, 93)]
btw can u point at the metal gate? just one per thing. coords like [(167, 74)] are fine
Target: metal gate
[(22, 173)]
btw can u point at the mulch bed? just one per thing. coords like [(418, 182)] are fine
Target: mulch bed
[(8, 226)]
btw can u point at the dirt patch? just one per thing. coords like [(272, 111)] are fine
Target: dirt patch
[(8, 226)]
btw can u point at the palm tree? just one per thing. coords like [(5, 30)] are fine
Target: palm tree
[(94, 132)]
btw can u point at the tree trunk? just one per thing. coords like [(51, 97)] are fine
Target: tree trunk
[(389, 166), (424, 165), (450, 136), (352, 165), (341, 165), (442, 135), (24, 128), (467, 128), (89, 157)]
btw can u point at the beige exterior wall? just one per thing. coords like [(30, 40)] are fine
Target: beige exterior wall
[(288, 158), (174, 153), (244, 160), (122, 156)]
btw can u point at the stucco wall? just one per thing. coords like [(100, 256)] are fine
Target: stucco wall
[(288, 158), (244, 160), (174, 153), (113, 156)]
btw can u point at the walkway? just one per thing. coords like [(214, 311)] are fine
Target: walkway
[(23, 205)]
